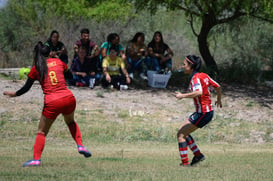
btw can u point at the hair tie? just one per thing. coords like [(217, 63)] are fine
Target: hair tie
[(189, 60)]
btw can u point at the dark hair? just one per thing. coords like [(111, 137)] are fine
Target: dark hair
[(81, 47), (41, 51), (161, 43), (85, 30), (194, 61), (113, 48), (138, 34), (111, 37), (51, 34)]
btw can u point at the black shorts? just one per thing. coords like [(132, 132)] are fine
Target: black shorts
[(201, 119)]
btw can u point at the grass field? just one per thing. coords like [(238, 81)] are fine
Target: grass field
[(136, 139), (119, 156), (134, 161)]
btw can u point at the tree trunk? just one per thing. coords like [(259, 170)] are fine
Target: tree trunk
[(207, 24)]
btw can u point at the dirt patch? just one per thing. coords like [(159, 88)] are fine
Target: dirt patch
[(242, 104)]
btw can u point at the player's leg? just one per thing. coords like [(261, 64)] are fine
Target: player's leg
[(199, 120), (76, 133), (185, 129), (198, 156), (43, 128)]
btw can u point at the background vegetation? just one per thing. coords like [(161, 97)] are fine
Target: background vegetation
[(239, 55)]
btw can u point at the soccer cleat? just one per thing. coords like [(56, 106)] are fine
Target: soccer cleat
[(31, 163), (82, 150), (197, 159)]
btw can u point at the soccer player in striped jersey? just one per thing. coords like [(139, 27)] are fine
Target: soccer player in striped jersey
[(199, 90), (57, 100)]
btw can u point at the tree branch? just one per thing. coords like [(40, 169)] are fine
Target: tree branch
[(225, 6), (198, 6), (191, 23), (262, 18), (189, 11), (236, 15)]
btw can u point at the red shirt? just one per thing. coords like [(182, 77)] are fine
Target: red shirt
[(202, 82), (54, 86)]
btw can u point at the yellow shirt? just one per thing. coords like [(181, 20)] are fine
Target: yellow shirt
[(113, 66)]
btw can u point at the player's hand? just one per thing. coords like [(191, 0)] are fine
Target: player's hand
[(178, 95), (9, 93), (218, 104)]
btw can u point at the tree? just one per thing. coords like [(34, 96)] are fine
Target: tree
[(211, 13)]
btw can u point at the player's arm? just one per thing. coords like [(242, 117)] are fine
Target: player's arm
[(217, 87), (218, 103), (23, 90), (194, 94)]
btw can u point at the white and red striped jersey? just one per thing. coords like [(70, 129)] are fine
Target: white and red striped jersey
[(202, 82)]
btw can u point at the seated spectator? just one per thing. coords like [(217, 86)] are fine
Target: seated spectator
[(83, 70), (92, 50), (136, 53), (160, 54), (112, 65), (57, 48), (91, 47), (112, 41)]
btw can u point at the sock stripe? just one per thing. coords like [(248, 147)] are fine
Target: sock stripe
[(192, 145)]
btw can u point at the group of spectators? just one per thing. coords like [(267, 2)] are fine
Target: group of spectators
[(111, 64)]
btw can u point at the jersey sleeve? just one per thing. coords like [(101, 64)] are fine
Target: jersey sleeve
[(33, 74), (196, 84), (92, 44), (104, 45), (120, 47), (64, 66), (105, 62), (213, 83)]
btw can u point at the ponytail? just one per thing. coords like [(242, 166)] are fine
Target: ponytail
[(41, 51)]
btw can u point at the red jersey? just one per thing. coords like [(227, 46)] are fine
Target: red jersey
[(54, 86), (202, 82)]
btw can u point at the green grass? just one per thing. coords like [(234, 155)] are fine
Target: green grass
[(131, 151), (128, 145), (134, 161)]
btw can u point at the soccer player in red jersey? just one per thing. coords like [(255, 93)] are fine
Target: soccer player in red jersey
[(57, 100), (199, 90)]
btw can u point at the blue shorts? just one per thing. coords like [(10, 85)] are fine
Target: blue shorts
[(201, 119)]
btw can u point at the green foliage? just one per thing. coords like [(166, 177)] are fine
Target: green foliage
[(99, 10), (241, 56), (111, 10)]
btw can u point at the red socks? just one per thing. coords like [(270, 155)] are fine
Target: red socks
[(183, 150), (39, 146), (193, 146), (75, 133)]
